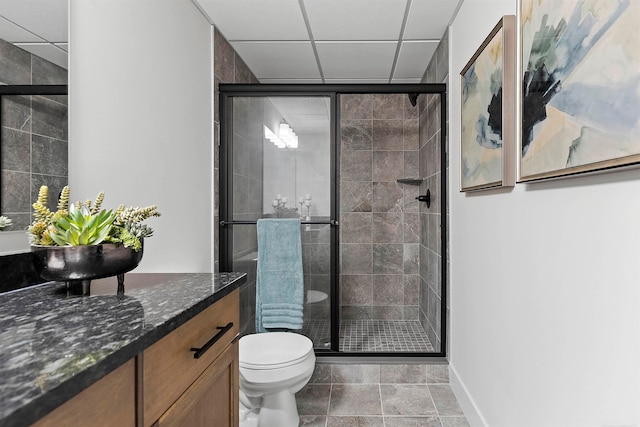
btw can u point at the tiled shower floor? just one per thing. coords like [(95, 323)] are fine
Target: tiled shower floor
[(371, 335)]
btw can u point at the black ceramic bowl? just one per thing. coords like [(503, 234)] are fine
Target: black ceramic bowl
[(77, 263)]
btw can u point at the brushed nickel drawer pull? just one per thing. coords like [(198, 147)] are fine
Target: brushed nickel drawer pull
[(200, 351)]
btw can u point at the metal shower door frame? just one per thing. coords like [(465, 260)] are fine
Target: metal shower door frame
[(228, 91)]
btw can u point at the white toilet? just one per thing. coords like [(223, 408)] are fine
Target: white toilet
[(273, 367)]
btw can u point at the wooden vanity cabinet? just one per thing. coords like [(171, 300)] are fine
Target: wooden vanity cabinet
[(180, 390), (212, 398), (109, 402), (166, 385)]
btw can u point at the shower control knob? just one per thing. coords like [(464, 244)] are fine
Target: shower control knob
[(426, 198)]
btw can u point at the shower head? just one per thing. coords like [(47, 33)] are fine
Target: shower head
[(413, 98)]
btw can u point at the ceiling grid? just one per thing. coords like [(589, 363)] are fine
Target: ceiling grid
[(347, 41), (283, 41)]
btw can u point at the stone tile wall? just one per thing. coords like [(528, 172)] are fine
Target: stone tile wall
[(230, 68), (34, 148), (379, 220), (316, 263), (431, 168)]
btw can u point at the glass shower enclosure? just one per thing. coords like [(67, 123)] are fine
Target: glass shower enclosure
[(345, 160)]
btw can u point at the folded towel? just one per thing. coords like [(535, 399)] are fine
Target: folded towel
[(279, 279), (280, 323), (281, 309)]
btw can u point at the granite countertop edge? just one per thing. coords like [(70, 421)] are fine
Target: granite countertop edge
[(44, 404)]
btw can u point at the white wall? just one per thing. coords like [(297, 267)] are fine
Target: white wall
[(545, 285), (140, 120)]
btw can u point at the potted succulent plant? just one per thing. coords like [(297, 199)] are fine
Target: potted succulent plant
[(82, 241), (4, 222)]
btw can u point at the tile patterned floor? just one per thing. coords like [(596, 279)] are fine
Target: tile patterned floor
[(412, 395), (371, 335), (318, 331), (383, 335)]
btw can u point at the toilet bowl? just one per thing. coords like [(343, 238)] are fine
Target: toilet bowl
[(314, 296), (273, 367)]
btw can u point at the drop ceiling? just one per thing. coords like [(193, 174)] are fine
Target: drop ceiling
[(37, 26), (333, 41), (282, 41)]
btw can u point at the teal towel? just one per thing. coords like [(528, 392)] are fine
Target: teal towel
[(279, 279)]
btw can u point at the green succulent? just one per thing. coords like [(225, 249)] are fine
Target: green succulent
[(4, 222), (81, 227), (86, 223)]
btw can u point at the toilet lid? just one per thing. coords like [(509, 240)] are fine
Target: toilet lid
[(271, 350)]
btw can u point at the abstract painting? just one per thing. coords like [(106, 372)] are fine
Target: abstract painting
[(488, 112), (580, 86)]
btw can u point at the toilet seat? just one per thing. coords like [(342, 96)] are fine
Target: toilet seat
[(274, 350)]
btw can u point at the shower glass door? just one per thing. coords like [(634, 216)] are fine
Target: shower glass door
[(276, 158), (363, 156)]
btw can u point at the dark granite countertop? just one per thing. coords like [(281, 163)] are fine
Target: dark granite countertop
[(53, 345)]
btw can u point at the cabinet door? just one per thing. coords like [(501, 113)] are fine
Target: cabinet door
[(169, 367), (108, 402), (212, 400)]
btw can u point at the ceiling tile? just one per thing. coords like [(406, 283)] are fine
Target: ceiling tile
[(356, 81), (428, 19), (304, 114), (13, 33), (301, 105), (413, 59), (47, 18), (406, 81), (285, 60), (256, 20), (364, 60), (48, 52), (290, 81), (355, 19)]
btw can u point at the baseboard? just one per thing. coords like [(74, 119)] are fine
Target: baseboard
[(471, 411)]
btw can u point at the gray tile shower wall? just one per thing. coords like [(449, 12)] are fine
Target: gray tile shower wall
[(379, 232), (430, 219), (34, 148), (431, 168), (230, 68), (316, 257)]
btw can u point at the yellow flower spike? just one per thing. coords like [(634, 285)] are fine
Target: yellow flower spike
[(41, 212), (87, 223), (63, 201), (43, 195), (98, 203)]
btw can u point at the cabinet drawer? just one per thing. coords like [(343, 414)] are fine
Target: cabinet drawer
[(169, 366)]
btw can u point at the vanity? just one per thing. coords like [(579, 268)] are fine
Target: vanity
[(163, 353)]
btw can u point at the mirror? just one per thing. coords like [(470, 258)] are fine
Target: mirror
[(33, 129), (300, 174)]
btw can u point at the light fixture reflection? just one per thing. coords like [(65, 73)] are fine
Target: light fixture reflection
[(286, 136)]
